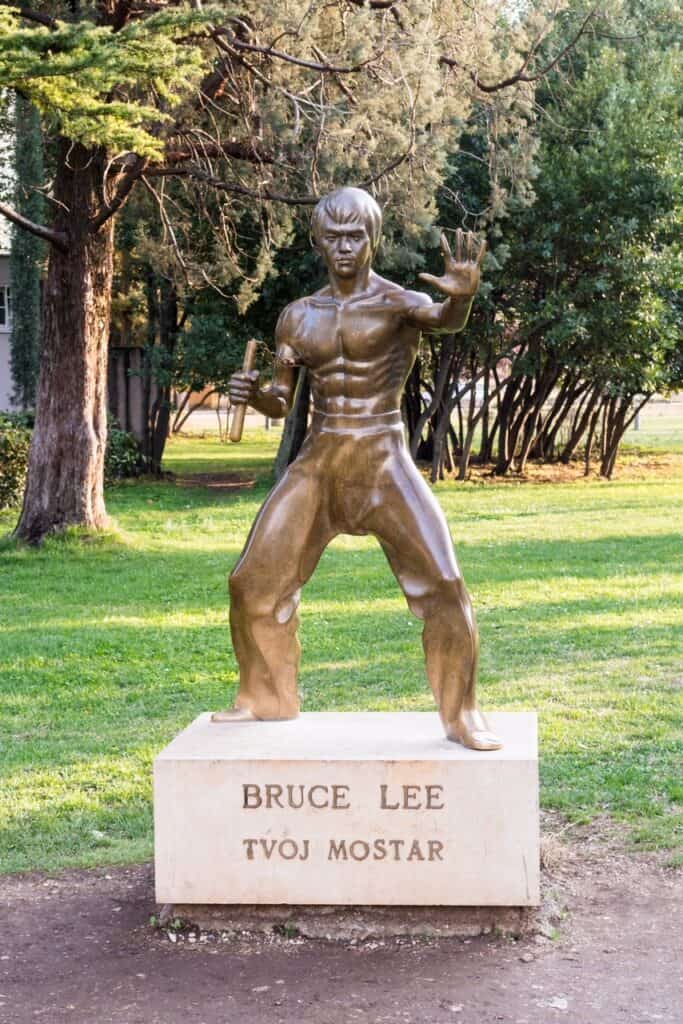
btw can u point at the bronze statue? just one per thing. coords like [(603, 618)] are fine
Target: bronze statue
[(358, 337)]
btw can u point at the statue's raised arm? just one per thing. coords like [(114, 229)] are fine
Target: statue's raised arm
[(459, 282)]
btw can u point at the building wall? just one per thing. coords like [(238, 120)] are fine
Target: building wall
[(5, 375)]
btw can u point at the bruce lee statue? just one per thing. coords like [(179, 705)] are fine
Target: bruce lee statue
[(358, 337)]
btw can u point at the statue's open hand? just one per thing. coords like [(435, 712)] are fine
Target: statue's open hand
[(460, 278), (243, 387)]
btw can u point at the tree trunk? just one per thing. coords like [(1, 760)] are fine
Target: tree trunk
[(66, 465), (582, 417), (505, 406), (469, 435), (158, 413), (559, 418), (589, 442), (483, 447), (618, 424), (412, 402), (532, 424), (441, 379)]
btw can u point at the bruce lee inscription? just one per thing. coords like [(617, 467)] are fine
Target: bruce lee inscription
[(268, 796)]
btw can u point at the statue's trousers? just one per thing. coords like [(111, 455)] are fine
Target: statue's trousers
[(354, 475)]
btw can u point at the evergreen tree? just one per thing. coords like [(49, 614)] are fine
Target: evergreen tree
[(26, 256)]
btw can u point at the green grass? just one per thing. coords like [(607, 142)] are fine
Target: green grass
[(109, 646), (659, 431)]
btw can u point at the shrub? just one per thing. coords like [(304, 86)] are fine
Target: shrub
[(15, 442), (123, 456), (18, 419)]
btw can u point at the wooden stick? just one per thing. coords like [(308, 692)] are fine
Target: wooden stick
[(240, 412)]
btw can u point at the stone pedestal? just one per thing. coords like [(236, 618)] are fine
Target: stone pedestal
[(347, 809)]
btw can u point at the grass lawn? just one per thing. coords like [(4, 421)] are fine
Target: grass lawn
[(108, 647), (660, 431)]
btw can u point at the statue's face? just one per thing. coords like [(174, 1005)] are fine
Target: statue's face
[(346, 248)]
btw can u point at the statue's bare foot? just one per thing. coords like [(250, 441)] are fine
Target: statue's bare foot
[(472, 730), (234, 715)]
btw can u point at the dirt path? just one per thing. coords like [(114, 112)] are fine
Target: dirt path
[(78, 948)]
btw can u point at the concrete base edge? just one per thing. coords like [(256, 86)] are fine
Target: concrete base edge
[(360, 923)]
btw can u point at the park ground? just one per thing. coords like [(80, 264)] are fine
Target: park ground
[(76, 947), (109, 646)]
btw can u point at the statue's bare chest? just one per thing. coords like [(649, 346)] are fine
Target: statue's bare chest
[(354, 331)]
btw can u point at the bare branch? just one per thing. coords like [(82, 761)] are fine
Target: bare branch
[(232, 150), (121, 194), (264, 194), (520, 75), (340, 81), (168, 227), (224, 186), (376, 5), (268, 51), (55, 238)]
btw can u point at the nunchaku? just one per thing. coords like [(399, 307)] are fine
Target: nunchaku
[(237, 425)]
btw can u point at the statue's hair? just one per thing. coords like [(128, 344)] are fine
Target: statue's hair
[(346, 205)]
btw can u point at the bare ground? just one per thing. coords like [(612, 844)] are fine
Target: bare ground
[(78, 947)]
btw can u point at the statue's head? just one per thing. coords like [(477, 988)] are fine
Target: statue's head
[(346, 227), (348, 205)]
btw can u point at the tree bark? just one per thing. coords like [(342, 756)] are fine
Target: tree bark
[(581, 419), (618, 424), (66, 465), (158, 413), (469, 435), (589, 442)]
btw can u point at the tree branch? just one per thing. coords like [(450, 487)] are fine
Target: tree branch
[(123, 190), (37, 16), (520, 75), (376, 5), (265, 195), (231, 150), (122, 13), (55, 238), (268, 51), (224, 186)]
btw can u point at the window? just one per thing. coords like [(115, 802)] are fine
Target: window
[(5, 306)]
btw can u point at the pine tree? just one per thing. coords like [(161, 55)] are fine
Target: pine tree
[(26, 255)]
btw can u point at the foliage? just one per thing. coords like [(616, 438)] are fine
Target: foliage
[(230, 134), (123, 457), (576, 589), (580, 319), (27, 254), (24, 420), (357, 91), (87, 79), (15, 441)]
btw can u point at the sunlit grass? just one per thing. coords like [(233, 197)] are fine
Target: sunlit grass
[(109, 647), (657, 431)]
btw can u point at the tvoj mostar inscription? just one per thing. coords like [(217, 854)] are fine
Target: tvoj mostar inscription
[(337, 797), (346, 849)]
